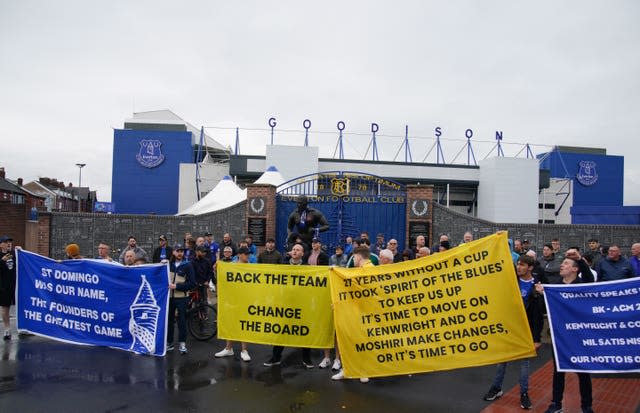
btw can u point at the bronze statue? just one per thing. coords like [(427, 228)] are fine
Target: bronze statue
[(305, 222)]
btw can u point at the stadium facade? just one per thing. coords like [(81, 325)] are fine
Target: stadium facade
[(163, 164)]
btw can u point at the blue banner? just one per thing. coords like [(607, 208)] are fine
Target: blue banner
[(595, 327), (108, 207), (94, 302)]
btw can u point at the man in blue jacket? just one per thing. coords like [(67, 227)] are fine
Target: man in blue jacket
[(615, 266), (182, 278)]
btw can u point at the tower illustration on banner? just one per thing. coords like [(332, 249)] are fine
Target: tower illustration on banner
[(144, 319)]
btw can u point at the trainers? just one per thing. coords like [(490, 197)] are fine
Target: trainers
[(325, 363), (224, 353), (170, 347), (7, 335), (271, 362), (183, 348), (336, 365), (244, 355), (554, 408), (525, 401), (308, 364), (338, 376), (493, 393), (364, 380)]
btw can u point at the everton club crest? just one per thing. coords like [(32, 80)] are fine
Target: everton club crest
[(587, 174), (340, 187), (150, 154)]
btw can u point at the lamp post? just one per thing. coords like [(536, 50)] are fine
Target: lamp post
[(80, 166)]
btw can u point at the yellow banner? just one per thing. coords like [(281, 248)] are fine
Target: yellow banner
[(285, 305), (458, 308)]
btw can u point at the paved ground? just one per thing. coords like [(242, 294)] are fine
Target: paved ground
[(41, 375)]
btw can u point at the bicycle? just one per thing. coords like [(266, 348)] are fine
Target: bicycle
[(202, 317)]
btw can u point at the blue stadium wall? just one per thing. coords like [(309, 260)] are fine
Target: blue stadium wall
[(595, 201), (151, 189)]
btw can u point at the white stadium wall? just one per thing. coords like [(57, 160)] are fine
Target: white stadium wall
[(210, 175), (292, 161), (508, 190)]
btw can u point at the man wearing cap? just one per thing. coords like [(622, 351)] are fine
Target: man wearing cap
[(339, 259), (132, 245), (316, 256), (181, 279), (252, 259), (270, 255), (227, 351), (380, 244), (163, 252), (7, 283)]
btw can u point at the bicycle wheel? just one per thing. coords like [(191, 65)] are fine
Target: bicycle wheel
[(202, 322)]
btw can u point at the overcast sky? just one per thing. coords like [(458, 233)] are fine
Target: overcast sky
[(546, 73)]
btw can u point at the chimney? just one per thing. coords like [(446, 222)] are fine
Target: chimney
[(2, 172), (20, 181)]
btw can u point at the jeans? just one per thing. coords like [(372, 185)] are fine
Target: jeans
[(179, 304), (524, 375)]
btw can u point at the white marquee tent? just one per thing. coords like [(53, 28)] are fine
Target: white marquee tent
[(227, 193)]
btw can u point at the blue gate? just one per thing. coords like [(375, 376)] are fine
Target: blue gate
[(352, 202)]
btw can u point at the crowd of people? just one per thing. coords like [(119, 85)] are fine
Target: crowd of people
[(193, 263)]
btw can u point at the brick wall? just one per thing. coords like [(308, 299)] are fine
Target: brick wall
[(12, 219), (267, 193), (44, 232), (419, 193)]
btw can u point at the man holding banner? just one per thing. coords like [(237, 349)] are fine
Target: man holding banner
[(458, 308), (93, 302), (7, 283), (227, 351), (569, 270), (182, 279), (296, 253), (361, 259), (533, 305)]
